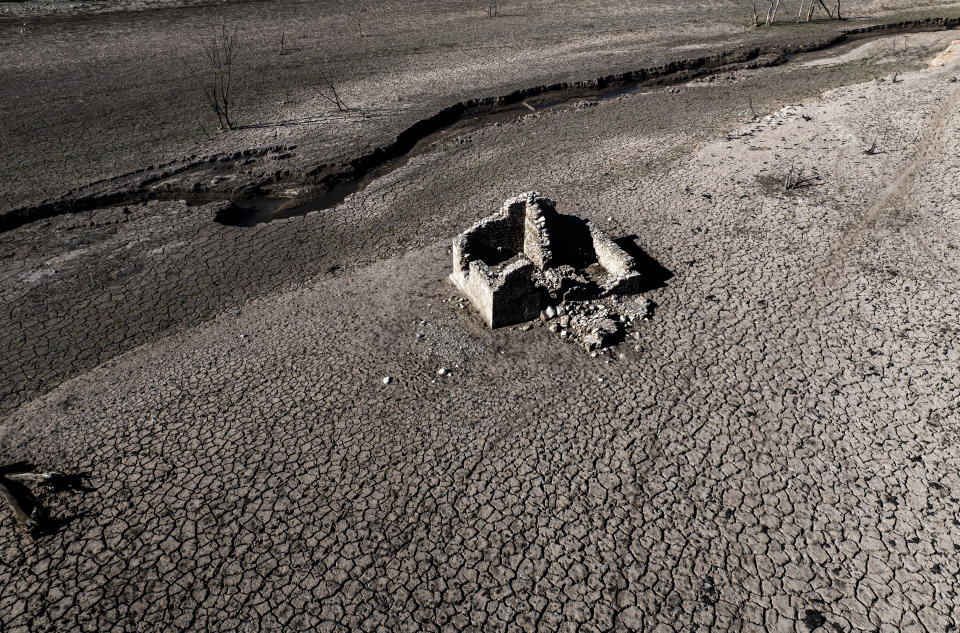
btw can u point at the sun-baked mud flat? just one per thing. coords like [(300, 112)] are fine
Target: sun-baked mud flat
[(776, 451)]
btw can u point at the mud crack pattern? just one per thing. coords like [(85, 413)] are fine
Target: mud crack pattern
[(778, 453)]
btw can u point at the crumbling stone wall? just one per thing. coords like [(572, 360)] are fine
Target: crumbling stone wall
[(620, 266), (513, 263), (536, 240), (503, 295)]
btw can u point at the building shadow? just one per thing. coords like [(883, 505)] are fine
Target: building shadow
[(652, 274)]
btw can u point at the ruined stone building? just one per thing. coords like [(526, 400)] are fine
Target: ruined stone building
[(528, 257)]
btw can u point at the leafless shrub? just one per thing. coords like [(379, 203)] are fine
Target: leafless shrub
[(793, 179), (753, 112), (756, 18), (283, 44), (327, 88), (203, 129), (216, 77), (493, 8)]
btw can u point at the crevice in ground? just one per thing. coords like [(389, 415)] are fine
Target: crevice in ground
[(287, 193)]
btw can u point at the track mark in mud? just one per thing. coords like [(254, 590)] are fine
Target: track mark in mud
[(899, 185)]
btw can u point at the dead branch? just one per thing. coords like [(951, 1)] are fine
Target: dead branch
[(25, 520), (47, 477)]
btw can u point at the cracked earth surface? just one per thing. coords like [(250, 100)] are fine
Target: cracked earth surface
[(778, 453)]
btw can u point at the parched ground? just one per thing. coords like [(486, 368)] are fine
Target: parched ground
[(777, 451)]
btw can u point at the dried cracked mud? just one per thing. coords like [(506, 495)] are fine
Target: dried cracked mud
[(777, 451)]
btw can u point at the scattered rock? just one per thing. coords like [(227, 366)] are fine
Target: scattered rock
[(443, 371), (387, 380)]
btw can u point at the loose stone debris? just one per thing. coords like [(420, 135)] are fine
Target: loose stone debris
[(528, 261)]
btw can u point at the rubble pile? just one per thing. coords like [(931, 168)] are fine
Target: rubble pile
[(595, 324)]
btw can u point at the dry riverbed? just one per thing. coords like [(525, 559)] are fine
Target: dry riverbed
[(775, 451)]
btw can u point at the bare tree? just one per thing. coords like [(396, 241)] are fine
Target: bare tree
[(772, 12), (216, 76), (795, 178), (811, 7)]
